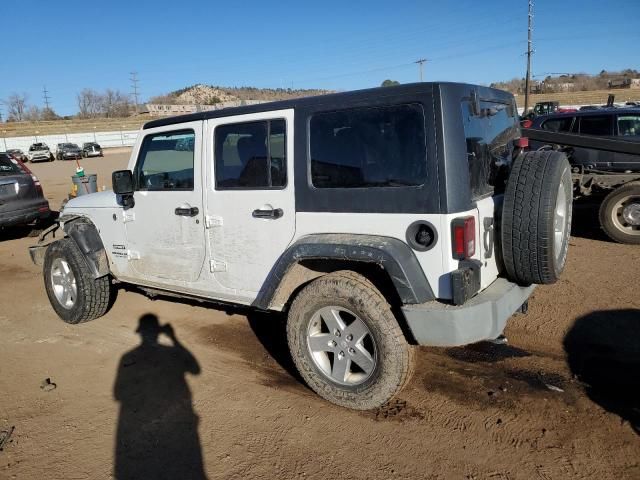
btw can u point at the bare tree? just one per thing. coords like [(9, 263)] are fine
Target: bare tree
[(89, 103), (16, 106), (114, 103), (32, 114)]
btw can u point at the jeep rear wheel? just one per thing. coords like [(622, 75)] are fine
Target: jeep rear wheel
[(620, 214), (536, 217), (73, 292), (346, 343)]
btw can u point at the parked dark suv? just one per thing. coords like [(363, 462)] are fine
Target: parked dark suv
[(21, 198), (614, 123), (68, 151)]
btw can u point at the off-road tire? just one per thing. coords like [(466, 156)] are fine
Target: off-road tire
[(529, 214), (394, 365), (94, 296), (614, 228)]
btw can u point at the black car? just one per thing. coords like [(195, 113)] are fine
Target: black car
[(68, 151), (21, 198), (621, 123), (91, 149)]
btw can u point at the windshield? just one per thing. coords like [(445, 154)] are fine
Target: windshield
[(7, 166)]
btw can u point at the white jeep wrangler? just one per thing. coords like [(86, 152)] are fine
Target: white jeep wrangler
[(376, 220)]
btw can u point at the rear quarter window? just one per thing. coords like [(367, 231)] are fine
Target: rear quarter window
[(489, 135), (368, 147)]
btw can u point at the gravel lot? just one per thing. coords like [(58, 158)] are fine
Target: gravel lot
[(561, 400)]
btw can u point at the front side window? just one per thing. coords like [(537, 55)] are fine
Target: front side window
[(596, 125), (629, 125), (251, 155), (368, 147), (165, 161)]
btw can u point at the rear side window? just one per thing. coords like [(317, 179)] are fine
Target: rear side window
[(629, 125), (165, 161), (251, 155), (558, 124), (368, 147), (489, 135), (7, 166), (595, 125)]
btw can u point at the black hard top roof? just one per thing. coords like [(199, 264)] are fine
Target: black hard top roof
[(328, 99)]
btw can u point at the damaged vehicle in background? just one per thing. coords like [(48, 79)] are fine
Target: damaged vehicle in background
[(91, 149), (68, 151), (39, 152)]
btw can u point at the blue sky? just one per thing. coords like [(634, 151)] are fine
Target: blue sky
[(341, 45)]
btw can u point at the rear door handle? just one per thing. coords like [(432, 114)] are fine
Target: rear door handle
[(271, 213), (187, 211)]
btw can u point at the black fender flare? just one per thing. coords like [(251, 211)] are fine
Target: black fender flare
[(394, 256), (86, 236)]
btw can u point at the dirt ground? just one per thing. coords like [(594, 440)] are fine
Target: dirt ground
[(561, 400)]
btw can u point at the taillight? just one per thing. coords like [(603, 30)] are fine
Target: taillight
[(526, 123), (464, 237), (522, 142)]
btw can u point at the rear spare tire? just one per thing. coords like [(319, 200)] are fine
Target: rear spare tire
[(620, 214), (536, 217)]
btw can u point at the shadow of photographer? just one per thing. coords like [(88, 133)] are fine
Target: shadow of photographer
[(603, 351), (157, 432)]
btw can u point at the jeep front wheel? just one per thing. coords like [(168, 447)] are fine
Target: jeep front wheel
[(73, 292), (620, 214), (346, 343)]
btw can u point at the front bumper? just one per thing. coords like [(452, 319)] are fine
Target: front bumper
[(25, 215), (481, 318), (40, 158)]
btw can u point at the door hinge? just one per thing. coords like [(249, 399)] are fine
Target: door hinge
[(217, 266), (128, 216), (211, 221)]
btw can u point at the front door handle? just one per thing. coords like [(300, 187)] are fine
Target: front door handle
[(270, 213), (187, 211)]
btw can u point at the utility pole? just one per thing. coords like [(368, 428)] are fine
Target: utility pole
[(421, 63), (47, 98), (529, 52), (134, 88)]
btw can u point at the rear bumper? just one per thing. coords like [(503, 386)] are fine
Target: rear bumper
[(25, 215), (481, 318)]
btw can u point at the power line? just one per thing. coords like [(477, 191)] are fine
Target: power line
[(47, 98), (529, 51), (421, 63), (134, 88)]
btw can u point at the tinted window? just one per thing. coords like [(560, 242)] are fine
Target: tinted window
[(7, 166), (251, 155), (489, 135), (165, 161), (629, 125), (558, 124), (596, 125), (368, 147)]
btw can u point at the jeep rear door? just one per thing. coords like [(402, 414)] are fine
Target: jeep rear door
[(250, 205)]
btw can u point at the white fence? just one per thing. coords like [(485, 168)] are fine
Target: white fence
[(124, 138)]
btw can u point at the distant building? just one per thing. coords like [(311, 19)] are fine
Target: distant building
[(159, 110), (620, 83), (635, 83)]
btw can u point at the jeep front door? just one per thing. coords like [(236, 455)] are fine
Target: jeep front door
[(250, 200), (165, 231)]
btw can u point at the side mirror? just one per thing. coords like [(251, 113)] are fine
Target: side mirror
[(122, 181)]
